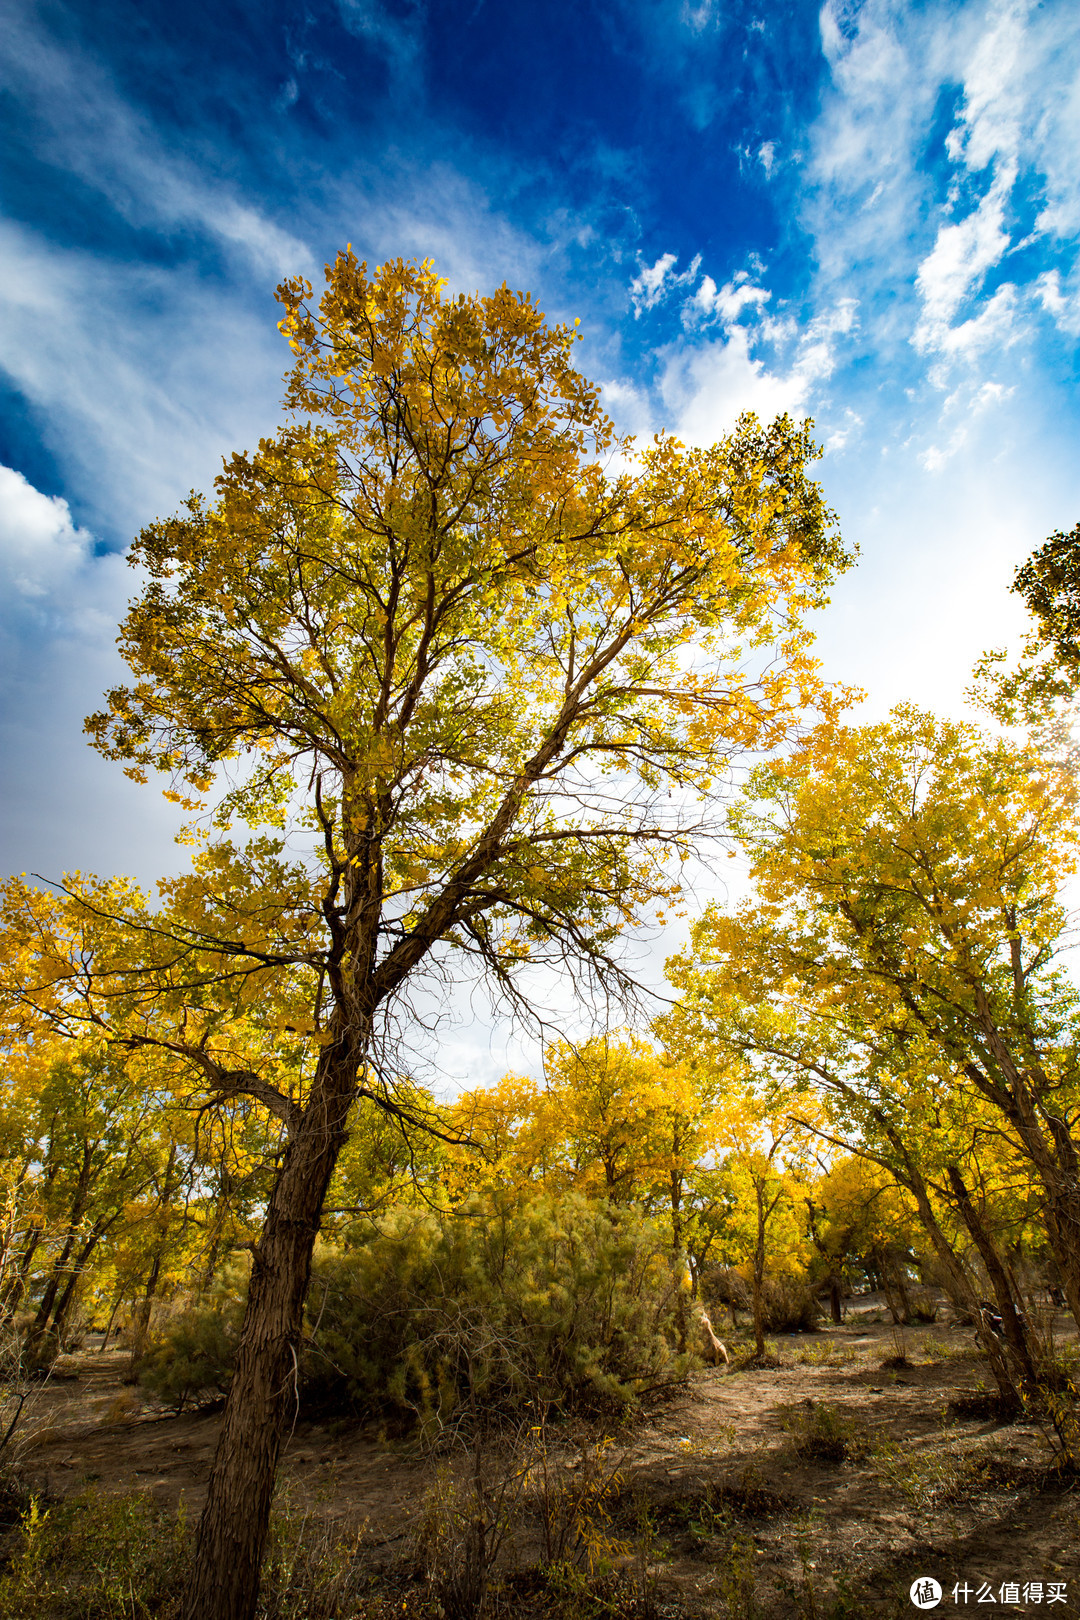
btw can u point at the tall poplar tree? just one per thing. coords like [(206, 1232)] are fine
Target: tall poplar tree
[(450, 672)]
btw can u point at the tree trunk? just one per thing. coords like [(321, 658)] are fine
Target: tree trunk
[(59, 1321), (959, 1286), (117, 1302), (678, 1261), (834, 1280), (895, 1288), (140, 1327), (210, 1267), (1016, 1334), (1063, 1230), (141, 1322), (48, 1299), (884, 1277), (232, 1529), (759, 1276)]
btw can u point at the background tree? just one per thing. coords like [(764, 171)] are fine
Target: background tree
[(1049, 583), (616, 1120), (1038, 690), (766, 1180), (902, 958), (423, 632), (928, 862)]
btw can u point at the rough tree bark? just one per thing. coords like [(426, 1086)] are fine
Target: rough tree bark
[(232, 1530)]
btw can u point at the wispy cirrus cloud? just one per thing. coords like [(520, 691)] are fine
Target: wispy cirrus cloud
[(142, 376), (83, 124), (145, 360), (397, 35)]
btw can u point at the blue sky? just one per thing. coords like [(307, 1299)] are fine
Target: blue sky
[(866, 212)]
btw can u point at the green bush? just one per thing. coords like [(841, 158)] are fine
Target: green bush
[(190, 1358), (723, 1285), (565, 1303), (116, 1558), (100, 1557), (790, 1306), (821, 1432)]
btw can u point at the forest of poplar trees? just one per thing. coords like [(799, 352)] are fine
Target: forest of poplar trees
[(464, 696)]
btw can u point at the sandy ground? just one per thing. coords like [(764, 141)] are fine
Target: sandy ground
[(933, 1494)]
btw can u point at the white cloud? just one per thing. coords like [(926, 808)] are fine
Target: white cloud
[(53, 580), (992, 113), (697, 17), (957, 264), (628, 406), (39, 544), (766, 156), (706, 385), (64, 807), (1062, 304), (991, 393), (880, 223), (726, 303), (654, 282), (648, 286), (817, 344), (840, 437)]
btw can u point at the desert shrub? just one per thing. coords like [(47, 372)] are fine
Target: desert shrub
[(710, 1508), (565, 1303), (924, 1306), (190, 1357), (98, 1557), (316, 1569), (39, 1352), (790, 1305), (723, 1285), (820, 1432), (945, 1474), (829, 1353)]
